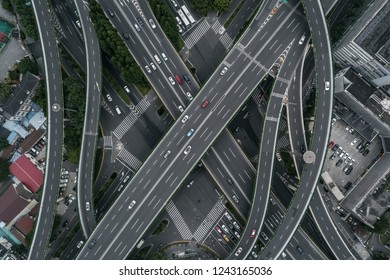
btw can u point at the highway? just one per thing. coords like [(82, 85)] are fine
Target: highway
[(147, 43), (55, 132), (321, 131), (276, 101), (91, 120), (328, 228), (224, 101), (295, 116)]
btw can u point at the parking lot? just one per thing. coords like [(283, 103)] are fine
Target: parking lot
[(347, 155)]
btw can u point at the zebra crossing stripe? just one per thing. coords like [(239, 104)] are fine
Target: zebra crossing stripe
[(135, 114), (226, 40), (210, 220), (197, 34), (178, 221), (130, 159), (216, 26)]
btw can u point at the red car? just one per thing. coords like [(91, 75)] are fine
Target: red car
[(178, 79), (331, 143), (218, 229), (253, 233), (205, 103)]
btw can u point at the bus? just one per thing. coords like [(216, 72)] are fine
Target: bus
[(183, 18), (187, 13)]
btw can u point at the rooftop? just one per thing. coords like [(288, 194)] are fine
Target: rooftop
[(374, 38), (22, 91), (27, 173), (24, 225), (11, 204)]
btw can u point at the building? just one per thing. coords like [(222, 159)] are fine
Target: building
[(19, 104), (361, 105), (27, 173), (366, 45), (11, 204)]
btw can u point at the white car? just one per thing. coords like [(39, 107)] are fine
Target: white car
[(189, 96), (327, 85), (254, 254), (227, 215), (148, 69), (80, 244), (126, 89), (132, 204), (278, 157), (302, 40), (190, 132), (126, 179), (152, 24), (239, 250), (187, 150), (224, 70), (181, 109), (164, 56), (179, 28), (78, 23), (87, 206), (183, 120), (109, 98), (354, 141), (171, 81), (153, 66)]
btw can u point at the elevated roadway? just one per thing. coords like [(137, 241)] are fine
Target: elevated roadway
[(91, 119), (54, 132), (321, 131), (159, 177)]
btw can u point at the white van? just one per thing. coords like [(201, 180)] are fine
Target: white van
[(118, 110), (157, 58)]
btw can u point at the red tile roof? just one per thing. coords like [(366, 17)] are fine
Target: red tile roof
[(11, 204), (27, 173), (24, 225)]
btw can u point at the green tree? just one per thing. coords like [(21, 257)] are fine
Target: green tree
[(4, 171), (28, 65), (3, 144), (221, 5), (6, 4), (26, 18), (39, 97), (5, 90), (201, 6), (383, 224)]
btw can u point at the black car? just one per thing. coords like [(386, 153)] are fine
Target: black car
[(360, 145), (339, 162), (92, 243), (187, 79), (362, 148), (303, 149), (110, 12), (348, 186), (366, 151), (300, 250), (335, 147), (332, 157), (65, 223), (126, 36), (349, 170), (140, 21)]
